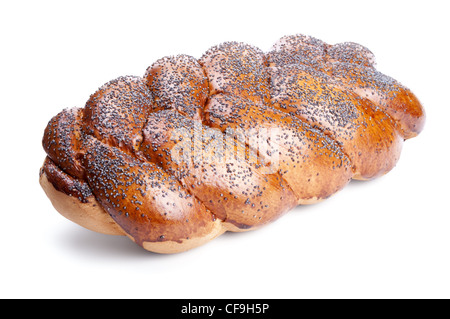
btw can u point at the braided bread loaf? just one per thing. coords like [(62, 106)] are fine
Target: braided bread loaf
[(168, 159)]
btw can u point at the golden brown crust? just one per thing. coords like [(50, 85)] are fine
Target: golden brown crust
[(179, 83), (367, 135), (170, 247), (351, 67), (73, 199), (62, 141), (312, 164), (149, 204), (88, 213), (116, 112), (297, 49), (229, 142), (385, 93), (237, 68), (237, 190)]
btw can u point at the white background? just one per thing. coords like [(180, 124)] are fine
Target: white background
[(388, 238)]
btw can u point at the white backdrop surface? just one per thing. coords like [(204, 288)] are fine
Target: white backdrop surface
[(387, 238)]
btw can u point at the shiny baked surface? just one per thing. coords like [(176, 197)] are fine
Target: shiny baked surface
[(335, 117)]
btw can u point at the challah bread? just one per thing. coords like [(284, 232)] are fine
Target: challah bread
[(227, 142)]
